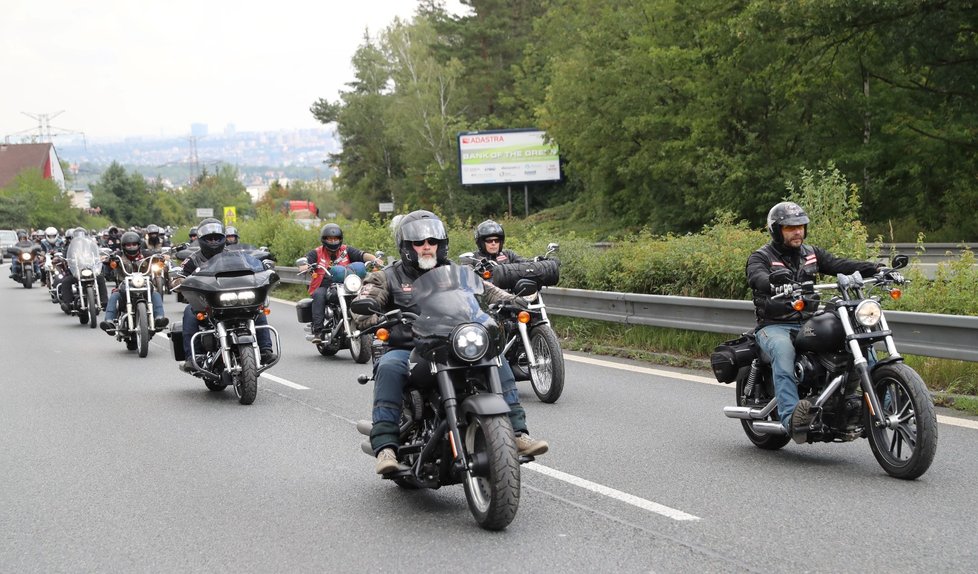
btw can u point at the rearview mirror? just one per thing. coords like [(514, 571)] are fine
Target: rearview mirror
[(301, 262), (525, 287), (467, 258), (899, 261)]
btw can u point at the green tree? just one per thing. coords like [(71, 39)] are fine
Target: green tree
[(30, 200), (123, 198)]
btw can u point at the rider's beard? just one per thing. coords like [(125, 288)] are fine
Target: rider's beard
[(426, 262)]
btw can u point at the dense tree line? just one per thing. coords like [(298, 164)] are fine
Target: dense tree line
[(668, 112)]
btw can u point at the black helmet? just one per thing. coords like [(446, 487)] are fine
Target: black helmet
[(785, 213), (192, 233), (21, 234), (489, 228), (152, 229), (331, 230), (130, 243), (211, 238), (418, 226), (113, 232)]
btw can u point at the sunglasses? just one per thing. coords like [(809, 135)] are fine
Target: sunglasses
[(429, 241), (492, 240)]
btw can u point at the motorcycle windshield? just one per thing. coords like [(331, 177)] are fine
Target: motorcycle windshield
[(230, 270), (446, 298), (83, 253)]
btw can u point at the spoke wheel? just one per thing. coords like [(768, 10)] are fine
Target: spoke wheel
[(494, 494), (92, 307), (142, 329), (906, 446), (360, 348), (547, 375), (759, 397)]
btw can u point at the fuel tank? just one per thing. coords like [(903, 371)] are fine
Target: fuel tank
[(821, 334)]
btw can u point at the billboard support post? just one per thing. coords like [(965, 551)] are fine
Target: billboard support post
[(526, 200), (509, 193)]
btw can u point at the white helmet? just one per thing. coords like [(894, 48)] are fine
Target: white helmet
[(51, 234)]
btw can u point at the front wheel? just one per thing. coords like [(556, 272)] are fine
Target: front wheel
[(28, 277), (92, 307), (246, 381), (360, 348), (905, 447), (142, 329), (547, 376), (492, 485), (758, 397)]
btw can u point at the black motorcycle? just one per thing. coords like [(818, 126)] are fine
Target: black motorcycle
[(136, 323), (337, 330), (455, 424), (228, 292), (532, 348), (27, 259), (85, 260), (854, 393)]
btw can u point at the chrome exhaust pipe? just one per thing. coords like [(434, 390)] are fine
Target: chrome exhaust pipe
[(768, 427), (745, 413)]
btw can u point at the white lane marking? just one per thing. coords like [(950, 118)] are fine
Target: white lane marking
[(285, 382), (612, 493), (953, 421)]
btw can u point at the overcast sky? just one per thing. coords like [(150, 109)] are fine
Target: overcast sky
[(132, 67)]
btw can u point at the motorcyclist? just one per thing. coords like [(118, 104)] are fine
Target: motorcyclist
[(23, 242), (127, 260), (51, 241), (212, 241), (232, 235), (423, 244), (332, 252), (489, 238), (112, 242), (154, 240), (771, 270)]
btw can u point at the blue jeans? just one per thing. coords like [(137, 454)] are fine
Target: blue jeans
[(775, 340), (191, 326), (389, 380), (112, 306)]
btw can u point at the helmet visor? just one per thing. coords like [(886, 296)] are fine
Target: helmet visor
[(420, 229)]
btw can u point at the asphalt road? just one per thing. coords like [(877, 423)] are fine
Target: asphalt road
[(111, 463)]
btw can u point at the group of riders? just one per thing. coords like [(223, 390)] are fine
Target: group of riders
[(423, 244)]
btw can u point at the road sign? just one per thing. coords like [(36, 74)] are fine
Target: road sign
[(230, 215), (205, 212), (386, 207)]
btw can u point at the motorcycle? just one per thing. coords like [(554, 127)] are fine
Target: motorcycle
[(228, 292), (336, 331), (136, 322), (455, 425), (532, 347), (55, 270), (85, 262), (27, 259), (854, 393), (159, 271)]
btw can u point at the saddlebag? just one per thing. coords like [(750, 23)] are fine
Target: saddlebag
[(545, 273), (731, 356), (303, 310), (176, 340)]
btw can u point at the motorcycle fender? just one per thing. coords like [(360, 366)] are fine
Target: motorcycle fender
[(238, 339), (483, 405), (886, 361)]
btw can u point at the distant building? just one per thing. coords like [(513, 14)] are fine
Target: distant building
[(17, 158), (81, 198), (198, 130)]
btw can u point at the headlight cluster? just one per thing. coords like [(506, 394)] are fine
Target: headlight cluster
[(868, 313), (471, 342), (231, 298), (138, 280), (352, 283), (86, 273), (157, 267), (25, 256)]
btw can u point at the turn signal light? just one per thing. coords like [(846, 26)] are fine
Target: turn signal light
[(113, 264), (487, 274), (383, 334), (266, 311), (201, 316), (798, 305), (523, 317), (896, 293)]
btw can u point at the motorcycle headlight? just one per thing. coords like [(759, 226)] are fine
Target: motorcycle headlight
[(232, 298), (352, 283), (157, 267), (138, 280), (86, 273), (868, 313), (471, 342), (25, 256)]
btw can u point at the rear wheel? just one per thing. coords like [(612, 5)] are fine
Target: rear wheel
[(492, 485), (758, 398), (92, 307), (246, 381), (547, 376), (142, 329), (905, 447)]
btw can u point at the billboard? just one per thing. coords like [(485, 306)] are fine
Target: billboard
[(507, 156)]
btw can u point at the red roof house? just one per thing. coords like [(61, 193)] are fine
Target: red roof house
[(15, 158)]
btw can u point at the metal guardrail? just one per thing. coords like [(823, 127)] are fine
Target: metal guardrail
[(925, 334)]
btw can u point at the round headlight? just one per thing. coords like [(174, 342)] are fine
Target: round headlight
[(352, 283), (25, 256), (471, 342), (86, 273), (868, 313), (138, 280)]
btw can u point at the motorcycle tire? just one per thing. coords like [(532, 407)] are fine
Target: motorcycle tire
[(142, 329), (92, 307), (907, 450), (326, 350), (760, 440), (246, 382), (547, 376), (28, 278), (492, 492), (360, 348)]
